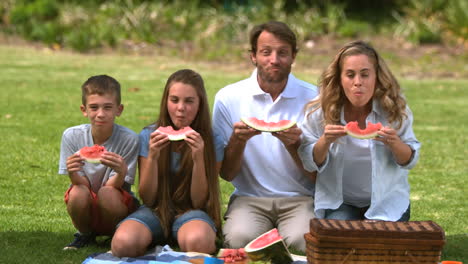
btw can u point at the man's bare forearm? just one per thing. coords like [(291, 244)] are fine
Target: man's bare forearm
[(233, 155)]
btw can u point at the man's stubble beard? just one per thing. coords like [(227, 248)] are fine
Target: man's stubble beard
[(278, 78)]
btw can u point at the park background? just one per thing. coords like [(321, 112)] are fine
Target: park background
[(49, 48)]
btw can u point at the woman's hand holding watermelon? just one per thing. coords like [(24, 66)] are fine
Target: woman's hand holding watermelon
[(401, 151), (157, 142), (332, 133), (388, 136)]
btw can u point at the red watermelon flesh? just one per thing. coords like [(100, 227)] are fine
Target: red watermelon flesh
[(92, 154), (269, 246), (352, 129), (264, 126), (174, 135), (232, 254)]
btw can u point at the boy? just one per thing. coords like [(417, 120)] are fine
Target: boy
[(99, 195)]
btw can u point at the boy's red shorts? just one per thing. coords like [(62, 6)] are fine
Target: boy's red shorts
[(97, 223)]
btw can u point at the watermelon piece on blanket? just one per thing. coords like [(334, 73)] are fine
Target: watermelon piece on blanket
[(269, 246), (352, 129), (232, 254), (264, 126), (175, 135)]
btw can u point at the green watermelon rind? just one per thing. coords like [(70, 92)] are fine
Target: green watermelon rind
[(176, 137), (276, 251), (96, 161), (366, 136), (264, 129)]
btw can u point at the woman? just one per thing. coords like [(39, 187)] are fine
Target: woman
[(178, 181), (359, 179)]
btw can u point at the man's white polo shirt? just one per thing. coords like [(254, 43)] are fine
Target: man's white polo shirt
[(267, 170)]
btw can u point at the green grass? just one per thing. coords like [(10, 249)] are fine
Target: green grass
[(40, 97)]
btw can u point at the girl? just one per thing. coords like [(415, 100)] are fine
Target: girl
[(178, 181), (359, 179)]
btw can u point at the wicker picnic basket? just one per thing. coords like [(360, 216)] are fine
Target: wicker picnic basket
[(373, 242)]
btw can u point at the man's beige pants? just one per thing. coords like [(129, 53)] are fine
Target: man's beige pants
[(249, 217)]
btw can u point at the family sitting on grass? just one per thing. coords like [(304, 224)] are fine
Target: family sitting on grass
[(281, 179)]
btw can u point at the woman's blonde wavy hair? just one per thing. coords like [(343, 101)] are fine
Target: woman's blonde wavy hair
[(332, 97)]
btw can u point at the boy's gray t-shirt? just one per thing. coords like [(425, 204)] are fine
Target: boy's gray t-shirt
[(123, 142)]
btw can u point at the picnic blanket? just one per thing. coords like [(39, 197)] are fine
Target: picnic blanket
[(161, 255)]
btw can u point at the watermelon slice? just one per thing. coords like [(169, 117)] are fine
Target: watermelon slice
[(352, 129), (269, 247), (174, 135), (261, 125), (92, 154), (232, 254)]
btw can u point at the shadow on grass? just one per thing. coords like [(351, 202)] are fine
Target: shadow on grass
[(456, 248), (42, 247)]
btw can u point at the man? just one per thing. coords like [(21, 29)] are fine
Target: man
[(271, 187)]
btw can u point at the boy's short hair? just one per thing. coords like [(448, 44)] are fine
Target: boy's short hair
[(100, 84)]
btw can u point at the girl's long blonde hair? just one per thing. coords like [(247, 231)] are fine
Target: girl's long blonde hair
[(173, 194), (332, 97)]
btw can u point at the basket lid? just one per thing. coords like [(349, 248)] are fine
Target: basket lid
[(426, 230)]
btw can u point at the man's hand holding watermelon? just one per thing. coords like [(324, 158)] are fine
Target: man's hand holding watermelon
[(242, 132), (290, 137)]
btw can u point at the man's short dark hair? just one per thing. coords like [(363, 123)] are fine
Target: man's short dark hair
[(278, 29)]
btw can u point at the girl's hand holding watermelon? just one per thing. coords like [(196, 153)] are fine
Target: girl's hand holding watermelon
[(196, 144), (157, 142)]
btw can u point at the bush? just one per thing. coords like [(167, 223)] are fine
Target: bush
[(429, 21), (455, 20), (211, 29), (35, 20)]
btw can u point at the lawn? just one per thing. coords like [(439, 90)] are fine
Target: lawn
[(41, 97)]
